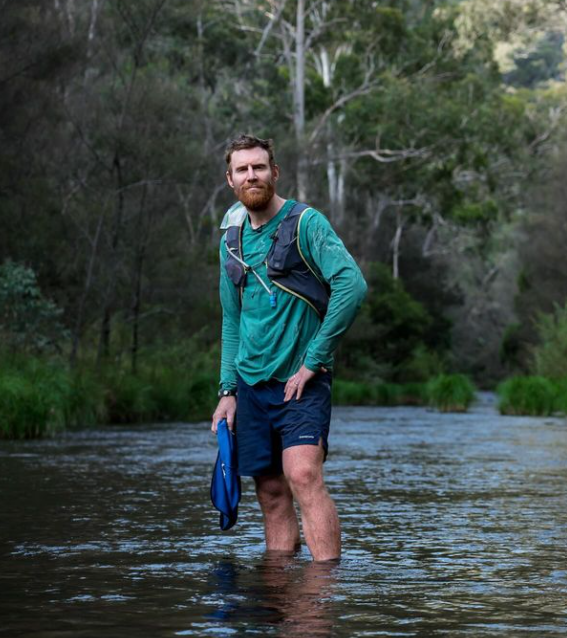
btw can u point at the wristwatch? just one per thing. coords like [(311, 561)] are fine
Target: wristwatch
[(226, 393)]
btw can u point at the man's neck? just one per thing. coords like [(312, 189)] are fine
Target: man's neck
[(260, 217)]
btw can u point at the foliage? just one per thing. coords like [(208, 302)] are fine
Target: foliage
[(27, 319), (533, 396), (450, 392), (377, 394), (423, 364), (39, 396), (112, 121), (393, 329), (550, 356), (560, 399), (34, 400)]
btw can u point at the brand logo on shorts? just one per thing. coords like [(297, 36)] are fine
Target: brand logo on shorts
[(307, 436)]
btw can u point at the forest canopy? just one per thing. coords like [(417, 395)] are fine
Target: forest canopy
[(430, 133)]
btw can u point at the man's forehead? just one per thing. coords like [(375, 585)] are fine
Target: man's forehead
[(246, 156)]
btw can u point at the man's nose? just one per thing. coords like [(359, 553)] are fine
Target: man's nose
[(251, 174)]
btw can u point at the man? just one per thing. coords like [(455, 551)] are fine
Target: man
[(289, 289)]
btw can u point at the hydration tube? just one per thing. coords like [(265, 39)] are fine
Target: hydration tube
[(248, 268)]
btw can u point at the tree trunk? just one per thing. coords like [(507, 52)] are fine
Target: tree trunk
[(396, 245), (106, 325), (138, 271), (299, 101), (78, 330), (95, 7)]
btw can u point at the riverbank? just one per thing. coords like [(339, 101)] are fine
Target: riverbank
[(40, 397)]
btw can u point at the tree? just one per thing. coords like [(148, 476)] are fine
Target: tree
[(28, 321)]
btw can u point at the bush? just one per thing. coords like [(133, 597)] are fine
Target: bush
[(423, 364), (87, 402), (450, 393), (27, 319), (560, 399), (412, 394), (33, 400), (550, 357), (378, 394), (39, 397), (352, 393), (533, 396), (128, 398)]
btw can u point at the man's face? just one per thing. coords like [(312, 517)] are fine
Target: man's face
[(252, 178)]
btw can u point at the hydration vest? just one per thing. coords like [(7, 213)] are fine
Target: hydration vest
[(287, 267)]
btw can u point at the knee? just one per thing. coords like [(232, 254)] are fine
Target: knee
[(305, 479)]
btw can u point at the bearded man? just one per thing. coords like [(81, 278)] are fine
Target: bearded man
[(289, 290)]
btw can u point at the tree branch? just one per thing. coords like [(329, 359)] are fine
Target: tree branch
[(361, 90), (269, 27)]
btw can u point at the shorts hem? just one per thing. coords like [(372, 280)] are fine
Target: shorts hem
[(313, 443)]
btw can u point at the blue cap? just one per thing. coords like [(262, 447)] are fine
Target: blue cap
[(225, 484)]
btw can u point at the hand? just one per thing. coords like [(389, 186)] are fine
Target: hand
[(296, 383), (226, 409)]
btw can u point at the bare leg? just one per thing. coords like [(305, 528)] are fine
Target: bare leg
[(303, 469), (280, 520)]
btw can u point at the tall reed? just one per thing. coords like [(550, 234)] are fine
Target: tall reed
[(531, 395), (450, 392)]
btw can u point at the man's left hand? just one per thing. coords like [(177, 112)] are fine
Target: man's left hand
[(295, 384)]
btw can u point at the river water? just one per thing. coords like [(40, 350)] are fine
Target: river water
[(453, 525)]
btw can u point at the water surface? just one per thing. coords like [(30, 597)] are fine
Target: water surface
[(453, 525)]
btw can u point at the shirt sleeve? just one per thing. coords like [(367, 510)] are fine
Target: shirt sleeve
[(230, 302), (337, 267)]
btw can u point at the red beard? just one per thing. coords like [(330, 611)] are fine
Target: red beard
[(256, 200)]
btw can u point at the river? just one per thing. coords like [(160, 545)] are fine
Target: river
[(453, 525)]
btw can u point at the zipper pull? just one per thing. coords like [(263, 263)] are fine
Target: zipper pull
[(273, 298)]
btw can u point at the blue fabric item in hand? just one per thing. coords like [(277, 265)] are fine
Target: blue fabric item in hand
[(225, 484)]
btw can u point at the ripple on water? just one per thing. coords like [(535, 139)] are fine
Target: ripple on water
[(452, 525)]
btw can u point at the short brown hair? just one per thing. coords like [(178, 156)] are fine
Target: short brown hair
[(249, 141)]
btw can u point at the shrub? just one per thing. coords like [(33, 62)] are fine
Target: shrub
[(450, 392), (423, 364), (128, 398), (352, 393), (534, 396), (87, 401), (27, 319), (560, 399), (412, 394), (550, 357), (383, 394), (33, 401)]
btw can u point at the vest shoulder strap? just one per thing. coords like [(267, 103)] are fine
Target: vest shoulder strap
[(234, 216)]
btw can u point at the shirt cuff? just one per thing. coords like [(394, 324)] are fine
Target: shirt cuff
[(227, 385), (313, 364)]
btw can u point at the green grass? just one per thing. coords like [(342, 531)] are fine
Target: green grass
[(39, 397), (382, 394), (352, 393), (34, 401), (560, 399), (450, 392), (531, 396)]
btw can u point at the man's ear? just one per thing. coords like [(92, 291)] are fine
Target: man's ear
[(229, 179), (275, 171)]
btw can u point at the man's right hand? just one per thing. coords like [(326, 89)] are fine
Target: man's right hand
[(226, 409)]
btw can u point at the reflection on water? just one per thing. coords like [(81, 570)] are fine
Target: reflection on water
[(452, 525), (277, 590)]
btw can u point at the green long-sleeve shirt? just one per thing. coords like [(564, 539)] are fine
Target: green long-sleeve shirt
[(260, 342)]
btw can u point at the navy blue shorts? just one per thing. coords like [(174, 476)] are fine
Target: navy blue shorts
[(266, 425)]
